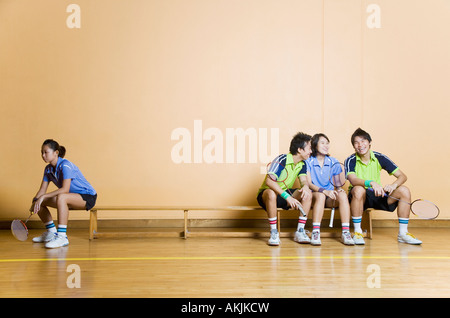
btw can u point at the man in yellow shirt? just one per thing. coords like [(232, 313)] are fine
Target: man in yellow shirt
[(363, 171), (276, 191)]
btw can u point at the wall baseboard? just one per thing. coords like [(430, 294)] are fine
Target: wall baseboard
[(220, 223)]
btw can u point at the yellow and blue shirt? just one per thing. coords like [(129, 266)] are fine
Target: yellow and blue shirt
[(371, 170), (67, 170), (283, 169)]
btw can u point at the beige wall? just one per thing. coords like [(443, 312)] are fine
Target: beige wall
[(114, 91)]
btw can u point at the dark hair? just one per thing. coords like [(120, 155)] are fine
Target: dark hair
[(315, 142), (361, 133), (56, 147), (299, 141)]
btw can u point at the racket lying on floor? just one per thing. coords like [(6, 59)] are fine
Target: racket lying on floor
[(424, 209), (275, 166), (338, 180), (19, 229)]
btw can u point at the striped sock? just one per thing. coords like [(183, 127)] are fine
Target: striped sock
[(301, 223), (62, 230), (50, 226), (345, 227), (273, 223), (403, 225), (357, 223), (316, 227)]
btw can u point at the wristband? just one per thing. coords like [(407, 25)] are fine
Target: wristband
[(321, 190), (367, 183), (285, 195)]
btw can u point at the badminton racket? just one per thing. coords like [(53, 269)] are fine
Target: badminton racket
[(19, 229), (422, 208), (337, 179), (277, 172)]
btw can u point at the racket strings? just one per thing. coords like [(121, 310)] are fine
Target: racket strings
[(424, 209), (19, 230)]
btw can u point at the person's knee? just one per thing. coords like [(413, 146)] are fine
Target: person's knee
[(403, 192), (61, 199), (318, 198), (269, 195), (306, 200), (358, 193)]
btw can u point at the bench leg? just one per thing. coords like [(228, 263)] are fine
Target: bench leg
[(92, 224), (366, 223), (186, 220), (279, 221)]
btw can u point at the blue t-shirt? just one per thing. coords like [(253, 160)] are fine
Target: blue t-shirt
[(67, 170), (320, 176)]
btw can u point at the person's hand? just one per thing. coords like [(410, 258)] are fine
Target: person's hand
[(305, 192), (293, 202), (37, 204), (377, 189), (390, 188), (332, 194)]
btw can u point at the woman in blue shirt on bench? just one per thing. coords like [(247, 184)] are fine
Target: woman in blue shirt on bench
[(324, 193), (74, 192)]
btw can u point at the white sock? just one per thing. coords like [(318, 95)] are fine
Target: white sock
[(316, 227), (301, 223), (62, 230), (403, 225), (345, 227), (357, 223), (50, 226), (273, 223)]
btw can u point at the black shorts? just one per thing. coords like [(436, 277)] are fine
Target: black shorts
[(90, 200), (377, 203), (281, 203)]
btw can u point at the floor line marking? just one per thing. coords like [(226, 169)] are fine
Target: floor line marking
[(187, 258)]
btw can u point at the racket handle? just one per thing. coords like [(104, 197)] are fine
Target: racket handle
[(31, 214), (300, 208), (331, 218)]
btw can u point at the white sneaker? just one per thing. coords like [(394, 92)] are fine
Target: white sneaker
[(301, 237), (44, 237), (274, 239), (57, 241), (346, 238), (358, 238), (315, 238), (408, 238)]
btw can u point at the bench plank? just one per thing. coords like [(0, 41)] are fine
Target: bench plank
[(94, 233)]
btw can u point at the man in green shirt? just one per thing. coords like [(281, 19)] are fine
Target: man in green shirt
[(363, 171), (276, 191)]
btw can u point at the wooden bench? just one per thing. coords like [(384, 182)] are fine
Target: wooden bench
[(94, 232)]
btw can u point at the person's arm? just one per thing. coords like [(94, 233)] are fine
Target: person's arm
[(42, 189), (64, 189), (355, 181), (305, 191), (401, 179), (273, 185)]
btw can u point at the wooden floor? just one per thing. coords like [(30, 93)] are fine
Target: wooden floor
[(227, 267)]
